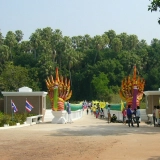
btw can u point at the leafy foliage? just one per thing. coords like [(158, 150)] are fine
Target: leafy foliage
[(100, 84), (95, 65), (155, 4), (12, 120)]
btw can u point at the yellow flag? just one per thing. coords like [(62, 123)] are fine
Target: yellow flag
[(122, 105)]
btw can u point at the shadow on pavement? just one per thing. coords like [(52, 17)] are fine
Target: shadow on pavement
[(105, 130), (154, 158)]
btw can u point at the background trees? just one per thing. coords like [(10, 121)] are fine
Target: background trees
[(13, 77), (154, 6), (95, 65)]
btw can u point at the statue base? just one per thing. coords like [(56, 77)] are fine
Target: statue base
[(59, 117)]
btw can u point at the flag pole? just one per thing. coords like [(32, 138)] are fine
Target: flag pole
[(25, 107), (25, 113), (12, 110)]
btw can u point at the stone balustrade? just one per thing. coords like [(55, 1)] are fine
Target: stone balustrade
[(75, 115)]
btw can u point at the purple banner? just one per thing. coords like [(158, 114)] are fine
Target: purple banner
[(134, 100)]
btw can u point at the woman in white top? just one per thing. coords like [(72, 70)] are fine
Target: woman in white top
[(137, 116)]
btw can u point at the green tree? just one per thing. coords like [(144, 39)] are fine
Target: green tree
[(57, 45), (99, 43), (124, 39), (10, 41), (72, 59), (14, 77), (111, 35), (25, 47), (19, 35), (100, 84), (116, 44), (86, 42), (46, 34), (45, 67), (1, 38), (132, 41), (35, 39), (4, 56), (4, 53), (154, 6), (25, 60)]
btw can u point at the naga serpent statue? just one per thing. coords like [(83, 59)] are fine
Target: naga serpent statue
[(127, 88), (58, 91)]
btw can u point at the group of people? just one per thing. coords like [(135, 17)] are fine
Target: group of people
[(112, 118), (129, 115), (132, 116), (86, 104), (97, 111)]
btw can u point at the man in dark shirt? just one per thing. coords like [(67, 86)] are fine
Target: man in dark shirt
[(129, 115)]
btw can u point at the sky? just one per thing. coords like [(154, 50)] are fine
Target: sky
[(80, 17)]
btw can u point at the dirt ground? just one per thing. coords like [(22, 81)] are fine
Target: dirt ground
[(85, 139)]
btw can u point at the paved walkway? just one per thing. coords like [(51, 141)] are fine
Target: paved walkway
[(87, 125), (86, 139)]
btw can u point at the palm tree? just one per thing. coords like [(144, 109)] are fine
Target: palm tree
[(35, 41), (4, 53), (73, 58), (10, 41)]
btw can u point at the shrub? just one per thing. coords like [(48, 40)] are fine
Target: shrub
[(6, 118), (23, 118), (17, 118), (12, 123)]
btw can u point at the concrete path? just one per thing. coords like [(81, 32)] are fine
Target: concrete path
[(86, 139), (87, 125)]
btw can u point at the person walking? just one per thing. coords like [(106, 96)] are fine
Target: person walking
[(94, 110), (134, 116), (97, 112), (69, 112), (101, 113), (124, 113), (109, 113), (138, 115), (157, 115), (87, 111), (129, 116), (154, 116)]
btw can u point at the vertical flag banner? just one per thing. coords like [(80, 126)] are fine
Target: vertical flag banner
[(122, 105), (14, 107), (28, 106)]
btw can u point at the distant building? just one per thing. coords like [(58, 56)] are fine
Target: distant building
[(37, 99), (152, 99)]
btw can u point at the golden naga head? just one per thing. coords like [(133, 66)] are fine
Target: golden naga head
[(126, 90), (62, 84)]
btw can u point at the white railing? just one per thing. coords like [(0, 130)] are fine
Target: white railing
[(74, 115), (34, 119)]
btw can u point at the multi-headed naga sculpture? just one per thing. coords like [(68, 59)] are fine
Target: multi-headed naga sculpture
[(58, 91), (132, 88)]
